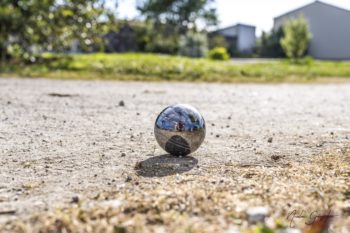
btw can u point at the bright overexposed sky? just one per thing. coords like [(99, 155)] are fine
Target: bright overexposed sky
[(255, 12)]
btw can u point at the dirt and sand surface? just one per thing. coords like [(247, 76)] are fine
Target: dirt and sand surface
[(81, 155)]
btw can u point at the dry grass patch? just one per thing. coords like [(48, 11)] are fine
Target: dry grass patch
[(209, 199)]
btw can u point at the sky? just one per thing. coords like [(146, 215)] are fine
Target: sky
[(259, 13)]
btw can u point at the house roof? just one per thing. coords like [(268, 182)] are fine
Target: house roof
[(233, 26), (312, 3)]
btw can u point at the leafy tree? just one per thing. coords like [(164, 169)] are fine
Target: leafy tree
[(184, 14), (217, 40), (193, 44), (29, 27), (269, 44), (160, 38), (296, 38), (174, 24)]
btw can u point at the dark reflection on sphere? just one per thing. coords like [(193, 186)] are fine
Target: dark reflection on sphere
[(176, 145), (180, 129)]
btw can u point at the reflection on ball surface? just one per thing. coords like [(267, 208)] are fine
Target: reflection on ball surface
[(180, 129)]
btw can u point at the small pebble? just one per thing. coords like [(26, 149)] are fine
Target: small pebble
[(121, 103), (123, 155), (257, 215), (275, 157), (128, 179), (270, 140), (75, 199)]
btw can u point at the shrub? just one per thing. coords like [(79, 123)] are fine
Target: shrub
[(156, 38), (296, 38), (15, 51), (308, 60), (217, 41), (193, 45), (269, 44), (219, 53)]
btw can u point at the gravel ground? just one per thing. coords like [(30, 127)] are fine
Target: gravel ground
[(67, 141)]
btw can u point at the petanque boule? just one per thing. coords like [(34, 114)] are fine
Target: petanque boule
[(180, 129)]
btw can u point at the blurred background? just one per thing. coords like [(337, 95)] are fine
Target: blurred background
[(60, 34)]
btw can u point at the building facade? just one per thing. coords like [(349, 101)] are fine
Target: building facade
[(241, 38), (329, 26)]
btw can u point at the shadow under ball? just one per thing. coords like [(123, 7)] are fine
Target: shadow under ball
[(180, 129)]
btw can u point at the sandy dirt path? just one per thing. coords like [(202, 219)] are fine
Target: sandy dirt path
[(65, 139)]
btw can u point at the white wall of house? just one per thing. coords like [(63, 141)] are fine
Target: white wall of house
[(245, 35), (246, 40), (330, 28)]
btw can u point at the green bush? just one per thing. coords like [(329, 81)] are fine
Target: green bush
[(269, 44), (296, 38), (305, 61), (308, 60), (217, 41), (219, 53), (193, 45), (157, 38), (15, 51)]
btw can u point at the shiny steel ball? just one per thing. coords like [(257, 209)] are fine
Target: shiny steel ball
[(180, 129)]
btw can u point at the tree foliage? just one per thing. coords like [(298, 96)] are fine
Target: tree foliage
[(174, 25), (28, 27), (160, 38), (217, 40), (193, 44), (296, 38), (180, 13), (269, 44)]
